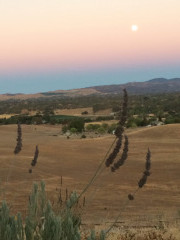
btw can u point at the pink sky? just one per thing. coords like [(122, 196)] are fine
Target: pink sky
[(88, 34)]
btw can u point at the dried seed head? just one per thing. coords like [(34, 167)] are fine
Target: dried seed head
[(119, 131), (33, 163), (113, 169), (142, 181), (123, 115), (146, 173), (130, 197), (116, 150), (36, 154), (18, 139), (148, 160), (124, 156)]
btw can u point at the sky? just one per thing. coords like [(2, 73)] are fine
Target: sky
[(64, 44)]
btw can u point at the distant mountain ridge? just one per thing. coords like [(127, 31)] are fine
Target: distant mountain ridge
[(158, 85), (153, 86)]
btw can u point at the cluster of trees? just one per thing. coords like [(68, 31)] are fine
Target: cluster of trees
[(78, 126), (140, 121), (74, 126), (146, 120), (101, 128), (161, 105), (137, 103), (39, 119)]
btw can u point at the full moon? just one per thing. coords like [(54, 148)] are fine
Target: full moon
[(134, 28)]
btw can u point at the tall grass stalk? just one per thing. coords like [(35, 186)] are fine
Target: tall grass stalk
[(141, 183), (110, 156)]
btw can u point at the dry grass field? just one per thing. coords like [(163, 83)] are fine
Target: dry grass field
[(74, 112), (77, 159), (6, 115), (78, 111)]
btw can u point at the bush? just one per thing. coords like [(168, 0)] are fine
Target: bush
[(104, 118), (105, 126), (92, 127), (101, 130), (83, 136), (137, 122), (84, 113), (42, 223), (73, 130), (172, 119), (78, 124)]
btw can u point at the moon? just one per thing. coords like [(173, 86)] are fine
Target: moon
[(134, 28)]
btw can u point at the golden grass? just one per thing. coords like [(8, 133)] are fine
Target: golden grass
[(78, 111), (74, 112), (109, 122), (77, 159), (172, 233), (6, 115)]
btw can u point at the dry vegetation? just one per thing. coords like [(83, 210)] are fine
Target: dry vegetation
[(77, 159), (78, 111), (6, 115), (74, 112)]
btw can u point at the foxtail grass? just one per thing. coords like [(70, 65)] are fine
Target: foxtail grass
[(112, 154), (34, 161), (19, 140), (119, 131), (141, 184), (123, 157)]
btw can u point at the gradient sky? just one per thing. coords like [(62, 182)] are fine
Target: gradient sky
[(63, 44)]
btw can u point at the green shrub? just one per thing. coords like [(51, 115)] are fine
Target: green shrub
[(42, 223), (105, 126), (11, 227), (104, 118), (101, 130), (92, 127), (83, 136), (73, 130), (77, 123)]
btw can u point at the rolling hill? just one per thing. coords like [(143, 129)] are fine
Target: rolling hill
[(154, 86), (158, 85)]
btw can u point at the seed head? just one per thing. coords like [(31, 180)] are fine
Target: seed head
[(36, 154), (130, 197), (123, 157), (18, 139), (119, 132), (146, 173), (114, 153)]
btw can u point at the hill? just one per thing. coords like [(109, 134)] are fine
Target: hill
[(157, 85), (154, 86), (77, 159)]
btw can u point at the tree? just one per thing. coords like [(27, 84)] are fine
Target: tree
[(78, 124)]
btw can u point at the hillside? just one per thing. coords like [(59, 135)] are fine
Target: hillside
[(154, 86), (158, 85), (77, 159)]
